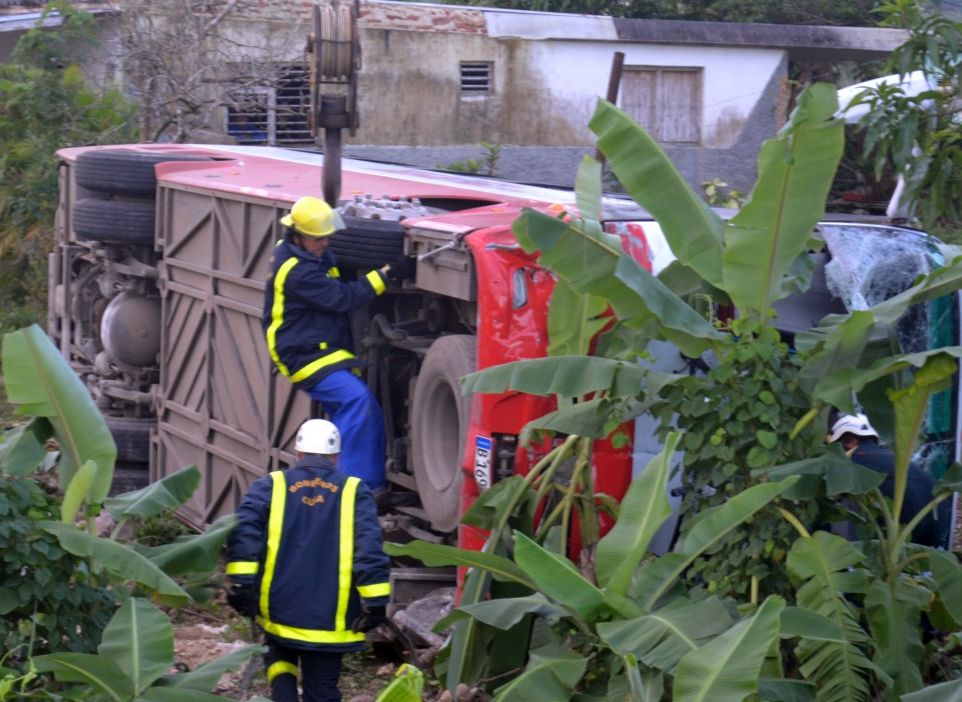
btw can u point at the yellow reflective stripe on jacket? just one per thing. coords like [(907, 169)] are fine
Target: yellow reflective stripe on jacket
[(376, 281), (375, 590), (320, 636), (241, 568), (346, 558), (275, 525), (277, 311), (324, 361), (281, 668)]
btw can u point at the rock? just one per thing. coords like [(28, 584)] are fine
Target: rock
[(445, 696), (386, 669), (104, 524), (420, 616), (362, 698)]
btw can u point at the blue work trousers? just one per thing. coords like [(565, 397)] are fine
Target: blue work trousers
[(320, 672), (357, 415)]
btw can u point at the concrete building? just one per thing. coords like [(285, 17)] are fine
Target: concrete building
[(437, 80)]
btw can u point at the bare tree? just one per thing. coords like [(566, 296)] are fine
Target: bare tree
[(184, 61)]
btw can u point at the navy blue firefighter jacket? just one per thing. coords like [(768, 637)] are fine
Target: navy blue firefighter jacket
[(308, 539), (305, 319)]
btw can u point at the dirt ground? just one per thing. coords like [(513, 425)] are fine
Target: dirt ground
[(202, 635)]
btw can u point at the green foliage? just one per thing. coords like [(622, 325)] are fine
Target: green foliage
[(750, 412), (45, 104), (60, 579), (132, 661), (718, 194), (920, 136), (48, 599), (736, 418), (486, 165)]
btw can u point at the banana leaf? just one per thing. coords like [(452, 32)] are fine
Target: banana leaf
[(557, 577), (782, 690), (773, 228), (943, 692), (644, 509), (506, 613), (826, 564), (841, 347), (165, 694), (727, 668), (911, 406), (894, 612), (655, 579), (692, 229), (588, 188), (430, 554), (77, 492), (592, 263), (838, 387), (568, 376), (661, 638), (798, 622), (205, 677), (140, 640), (494, 502), (406, 686), (544, 679), (22, 449), (947, 574), (193, 553), (116, 559), (831, 470), (166, 494), (574, 319), (852, 331), (39, 380), (100, 673)]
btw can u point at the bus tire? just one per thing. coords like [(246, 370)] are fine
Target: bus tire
[(367, 243), (132, 437), (115, 221), (439, 423), (120, 172)]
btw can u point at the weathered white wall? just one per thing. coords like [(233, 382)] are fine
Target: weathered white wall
[(544, 90)]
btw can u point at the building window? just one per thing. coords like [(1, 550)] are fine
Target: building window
[(665, 101), (476, 77), (276, 114)]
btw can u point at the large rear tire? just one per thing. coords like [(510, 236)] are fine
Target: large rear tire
[(116, 221), (439, 423), (368, 243), (132, 437), (121, 172)]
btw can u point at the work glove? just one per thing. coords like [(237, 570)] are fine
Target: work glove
[(371, 617), (240, 597), (401, 268)]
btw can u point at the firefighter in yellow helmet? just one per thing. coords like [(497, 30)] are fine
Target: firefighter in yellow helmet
[(307, 325)]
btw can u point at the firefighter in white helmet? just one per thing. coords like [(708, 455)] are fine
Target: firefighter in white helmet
[(861, 442), (306, 560), (307, 326)]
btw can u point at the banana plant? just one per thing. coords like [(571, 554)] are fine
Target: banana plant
[(41, 383), (133, 660), (631, 638)]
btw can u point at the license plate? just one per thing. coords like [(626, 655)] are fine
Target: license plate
[(482, 462)]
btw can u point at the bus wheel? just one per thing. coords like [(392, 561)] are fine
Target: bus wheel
[(439, 422)]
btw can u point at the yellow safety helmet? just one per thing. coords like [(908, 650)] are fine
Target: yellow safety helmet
[(313, 217)]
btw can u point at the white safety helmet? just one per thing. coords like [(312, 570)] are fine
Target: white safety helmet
[(318, 436), (857, 424)]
